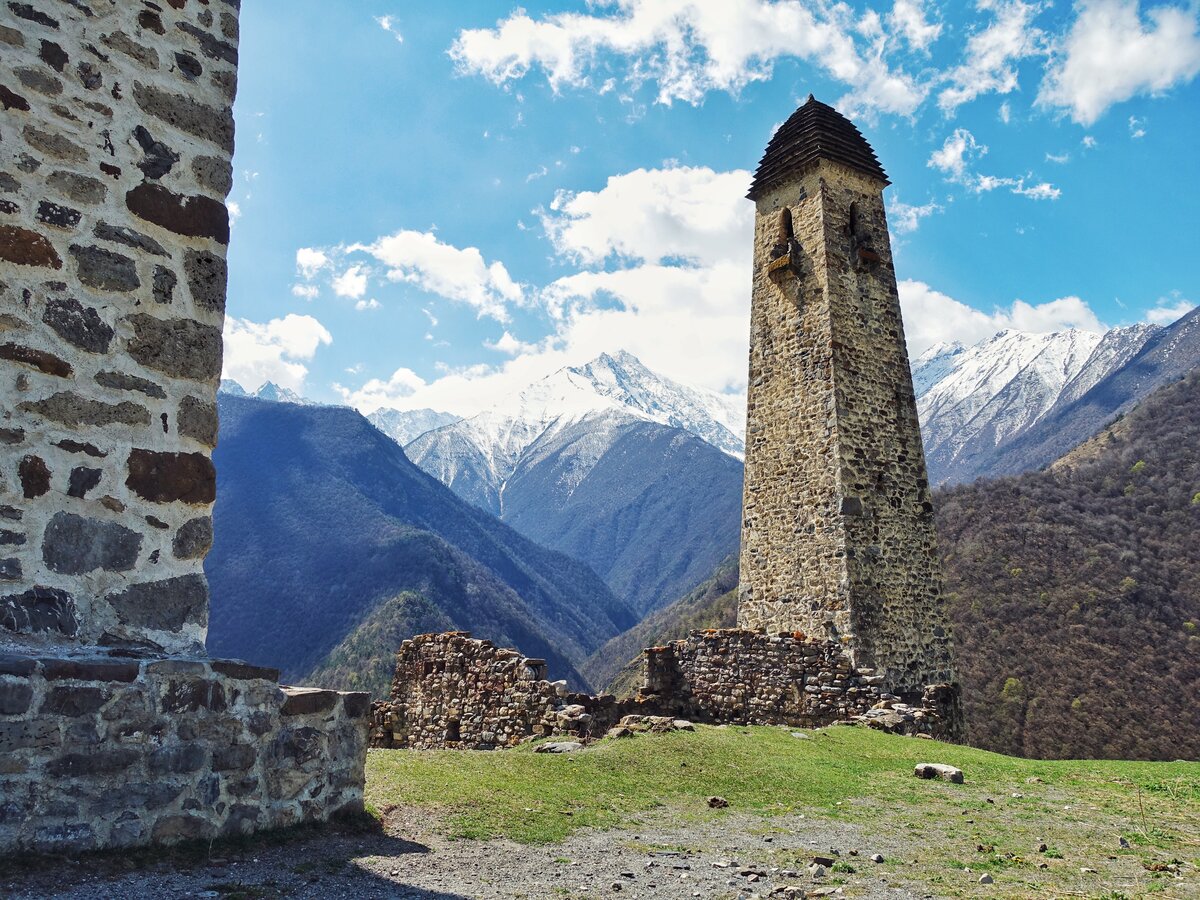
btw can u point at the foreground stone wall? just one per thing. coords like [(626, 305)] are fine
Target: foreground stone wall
[(98, 750), (453, 692), (115, 160)]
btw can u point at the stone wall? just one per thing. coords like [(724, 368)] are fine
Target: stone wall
[(838, 537), (453, 692), (115, 160), (115, 729), (102, 750)]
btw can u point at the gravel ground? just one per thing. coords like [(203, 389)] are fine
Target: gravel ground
[(734, 856)]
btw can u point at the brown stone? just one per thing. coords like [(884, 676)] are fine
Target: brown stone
[(54, 145), (81, 447), (37, 359), (183, 348), (34, 475), (72, 409), (12, 100), (170, 477), (27, 248), (197, 216), (53, 55), (38, 80), (55, 669)]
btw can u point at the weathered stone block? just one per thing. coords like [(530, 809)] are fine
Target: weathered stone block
[(198, 216), (122, 381), (79, 188), (182, 348), (158, 159), (105, 270), (244, 671), (163, 605), (187, 115), (173, 829), (27, 248), (193, 695), (111, 670), (170, 477), (119, 234), (36, 359), (164, 284), (15, 698), (213, 173), (77, 324), (198, 420), (306, 701), (58, 216), (69, 408), (74, 545), (180, 759), (98, 762), (34, 475), (193, 539), (39, 610), (83, 480), (206, 274), (74, 700)]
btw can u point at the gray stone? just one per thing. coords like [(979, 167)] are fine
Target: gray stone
[(235, 757), (198, 420), (122, 381), (139, 795), (213, 173), (96, 762), (163, 605), (105, 270), (206, 275), (119, 40), (58, 216), (36, 734), (559, 747), (10, 569), (110, 670), (130, 238), (164, 284), (187, 115), (73, 409), (54, 145), (158, 159), (82, 480), (15, 698), (74, 700), (939, 770), (38, 610), (78, 324), (179, 759), (211, 46), (193, 539), (80, 188), (182, 828), (306, 701), (183, 348)]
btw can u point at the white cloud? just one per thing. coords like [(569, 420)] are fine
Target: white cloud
[(1135, 127), (1058, 158), (992, 53), (1088, 141), (1113, 53), (931, 317), (956, 158), (905, 218), (1169, 309), (307, 291), (509, 344), (388, 24), (651, 215), (309, 261), (460, 274), (691, 47), (363, 305), (271, 351), (235, 210), (908, 19), (1005, 112), (352, 283)]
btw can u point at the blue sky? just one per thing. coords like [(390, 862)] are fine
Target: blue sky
[(435, 204)]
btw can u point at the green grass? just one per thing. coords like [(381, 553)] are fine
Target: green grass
[(993, 823)]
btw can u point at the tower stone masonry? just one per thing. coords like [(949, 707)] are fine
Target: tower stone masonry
[(838, 537)]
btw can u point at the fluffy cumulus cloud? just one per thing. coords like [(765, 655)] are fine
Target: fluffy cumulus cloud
[(272, 351), (905, 218), (662, 270), (460, 274), (1169, 309), (310, 261), (931, 317), (1114, 51), (351, 283), (956, 159), (990, 61), (691, 47)]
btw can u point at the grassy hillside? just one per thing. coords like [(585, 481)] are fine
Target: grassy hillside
[(945, 834), (1075, 593), (711, 604)]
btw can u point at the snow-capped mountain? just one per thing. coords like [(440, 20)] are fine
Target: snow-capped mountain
[(636, 474), (269, 390), (973, 401), (402, 425)]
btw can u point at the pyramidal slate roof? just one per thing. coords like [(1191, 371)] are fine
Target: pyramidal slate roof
[(814, 131)]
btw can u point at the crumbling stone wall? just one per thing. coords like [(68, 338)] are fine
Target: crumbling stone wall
[(453, 692), (115, 160), (98, 750), (838, 536), (115, 729)]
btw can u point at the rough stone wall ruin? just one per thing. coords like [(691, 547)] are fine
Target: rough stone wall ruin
[(116, 142), (838, 536)]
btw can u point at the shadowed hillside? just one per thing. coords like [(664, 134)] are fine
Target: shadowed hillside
[(320, 518)]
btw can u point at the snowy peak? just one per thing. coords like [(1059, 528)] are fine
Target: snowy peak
[(269, 390), (974, 400), (403, 425)]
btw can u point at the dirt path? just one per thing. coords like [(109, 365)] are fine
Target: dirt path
[(739, 856)]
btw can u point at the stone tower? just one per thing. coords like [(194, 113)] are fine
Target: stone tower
[(838, 535)]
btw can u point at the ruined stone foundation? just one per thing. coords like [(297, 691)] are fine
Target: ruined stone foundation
[(116, 143)]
